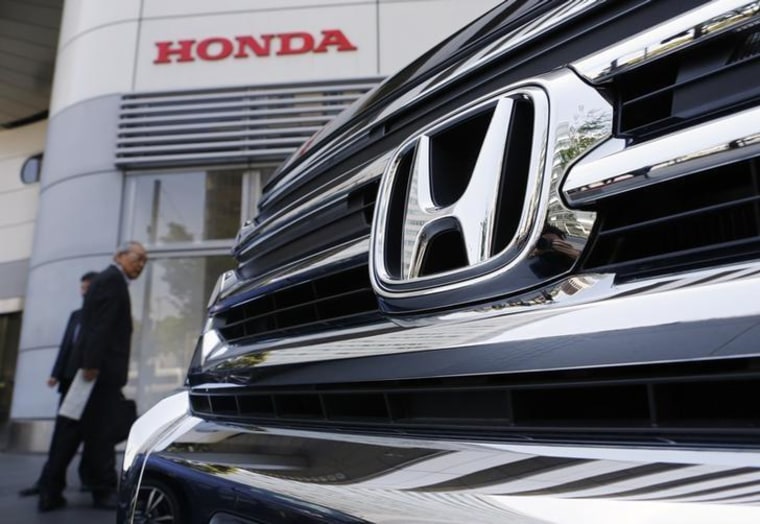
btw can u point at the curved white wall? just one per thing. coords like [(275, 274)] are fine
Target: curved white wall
[(18, 211)]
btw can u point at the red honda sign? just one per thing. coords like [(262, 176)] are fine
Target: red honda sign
[(219, 48)]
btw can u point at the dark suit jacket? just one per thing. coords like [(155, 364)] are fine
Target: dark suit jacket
[(61, 370), (106, 330)]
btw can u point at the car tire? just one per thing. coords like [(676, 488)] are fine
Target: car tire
[(157, 502)]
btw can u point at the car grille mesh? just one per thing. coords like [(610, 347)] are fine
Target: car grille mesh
[(699, 401), (701, 82), (345, 220), (702, 219), (342, 298)]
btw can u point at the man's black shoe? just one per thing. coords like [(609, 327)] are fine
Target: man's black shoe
[(104, 501), (48, 502), (29, 492)]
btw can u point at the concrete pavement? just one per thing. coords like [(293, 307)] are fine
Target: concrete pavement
[(20, 470)]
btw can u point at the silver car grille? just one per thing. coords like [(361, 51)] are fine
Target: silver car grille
[(678, 188), (667, 199)]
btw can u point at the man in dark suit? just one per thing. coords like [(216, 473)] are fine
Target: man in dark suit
[(102, 355), (61, 378)]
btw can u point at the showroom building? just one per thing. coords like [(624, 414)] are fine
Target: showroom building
[(165, 120)]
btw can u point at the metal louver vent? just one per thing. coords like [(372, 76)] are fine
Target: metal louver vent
[(227, 125)]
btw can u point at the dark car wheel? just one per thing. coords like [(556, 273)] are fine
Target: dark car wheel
[(156, 502)]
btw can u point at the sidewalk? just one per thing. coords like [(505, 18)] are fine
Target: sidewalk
[(19, 470)]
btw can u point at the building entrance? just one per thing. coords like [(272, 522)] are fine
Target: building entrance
[(10, 329)]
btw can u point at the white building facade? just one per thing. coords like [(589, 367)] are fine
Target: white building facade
[(166, 118)]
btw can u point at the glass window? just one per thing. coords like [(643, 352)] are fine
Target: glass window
[(189, 207), (169, 306), (30, 171), (187, 221)]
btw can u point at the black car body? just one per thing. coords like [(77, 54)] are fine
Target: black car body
[(528, 264)]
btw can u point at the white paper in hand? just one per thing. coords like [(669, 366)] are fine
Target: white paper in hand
[(76, 398)]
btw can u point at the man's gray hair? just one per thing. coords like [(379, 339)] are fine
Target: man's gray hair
[(126, 247)]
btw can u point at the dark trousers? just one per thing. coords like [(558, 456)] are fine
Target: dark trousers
[(67, 436), (63, 388), (98, 452)]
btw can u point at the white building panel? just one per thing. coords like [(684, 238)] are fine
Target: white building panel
[(18, 202), (18, 206), (163, 8), (72, 223), (250, 49), (81, 16), (16, 241), (99, 62), (59, 280), (401, 36), (36, 399)]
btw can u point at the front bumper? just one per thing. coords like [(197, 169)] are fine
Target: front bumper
[(232, 473)]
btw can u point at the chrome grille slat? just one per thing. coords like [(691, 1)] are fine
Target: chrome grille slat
[(340, 212), (315, 302), (709, 217), (699, 25), (676, 216)]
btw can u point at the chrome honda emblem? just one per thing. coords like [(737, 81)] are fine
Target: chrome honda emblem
[(465, 199), (472, 214)]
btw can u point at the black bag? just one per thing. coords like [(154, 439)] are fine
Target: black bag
[(125, 416)]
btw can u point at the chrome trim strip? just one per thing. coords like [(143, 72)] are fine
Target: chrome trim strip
[(212, 345), (693, 27), (710, 144), (254, 235), (582, 304), (256, 354), (549, 21), (333, 256)]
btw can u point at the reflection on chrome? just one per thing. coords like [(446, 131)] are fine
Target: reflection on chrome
[(149, 428), (210, 342), (352, 476), (579, 305), (723, 140), (553, 18), (693, 27), (225, 284), (327, 258), (286, 218)]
